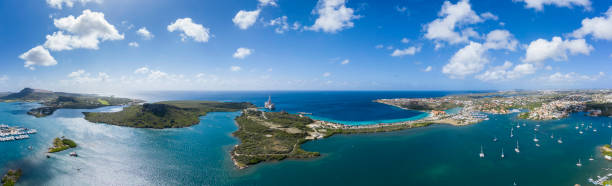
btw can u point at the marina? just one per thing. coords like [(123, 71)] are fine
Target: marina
[(8, 133)]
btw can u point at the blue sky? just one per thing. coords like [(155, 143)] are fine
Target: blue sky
[(100, 46)]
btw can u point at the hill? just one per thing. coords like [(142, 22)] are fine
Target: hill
[(166, 114)]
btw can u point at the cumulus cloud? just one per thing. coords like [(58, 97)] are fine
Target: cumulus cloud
[(571, 77), (80, 76), (504, 72), (556, 49), (326, 74), (539, 4), (405, 40), (142, 70), (245, 19), (133, 44), (407, 51), (468, 60), (452, 17), (69, 3), (267, 3), (344, 62), (84, 31), (282, 25), (501, 39), (144, 33), (197, 32), (334, 16), (37, 56), (235, 68), (242, 53), (427, 69), (489, 15), (598, 27)]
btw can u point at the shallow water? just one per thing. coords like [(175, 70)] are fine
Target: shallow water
[(199, 155)]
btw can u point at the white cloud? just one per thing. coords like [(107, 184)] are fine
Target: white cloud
[(190, 29), (235, 68), (141, 70), (598, 27), (427, 69), (405, 40), (344, 62), (37, 56), (452, 16), (334, 16), (4, 78), (133, 44), (245, 19), (86, 31), (401, 9), (502, 73), (242, 53), (379, 46), (282, 25), (267, 2), (501, 39), (468, 60), (69, 3), (326, 74), (539, 4), (570, 77), (407, 51), (144, 33), (80, 76), (489, 15), (548, 67), (556, 49)]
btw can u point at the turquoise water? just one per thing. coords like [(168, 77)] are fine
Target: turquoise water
[(199, 155)]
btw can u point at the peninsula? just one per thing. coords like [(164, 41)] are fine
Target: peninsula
[(52, 101), (11, 177), (165, 114)]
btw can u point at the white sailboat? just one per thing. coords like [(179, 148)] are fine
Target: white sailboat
[(552, 136), (576, 127), (581, 132), (495, 139), (517, 147), (518, 126), (579, 164), (481, 152), (594, 130), (559, 141), (609, 126), (535, 139), (511, 135), (591, 158), (502, 155)]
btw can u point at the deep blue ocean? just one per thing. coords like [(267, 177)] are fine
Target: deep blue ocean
[(199, 155)]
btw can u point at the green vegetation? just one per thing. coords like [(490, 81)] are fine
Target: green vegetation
[(11, 177), (606, 108), (606, 150), (425, 106), (61, 144), (524, 115), (52, 101), (270, 136), (166, 114)]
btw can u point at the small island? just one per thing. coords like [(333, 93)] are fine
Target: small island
[(165, 114), (61, 144), (52, 101), (606, 151), (11, 177)]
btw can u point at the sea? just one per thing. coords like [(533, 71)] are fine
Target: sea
[(199, 155)]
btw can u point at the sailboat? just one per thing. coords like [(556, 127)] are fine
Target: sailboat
[(502, 155), (535, 129), (495, 139), (524, 124), (481, 152), (591, 158), (609, 126), (580, 132), (579, 164), (518, 126), (559, 141), (594, 130), (511, 135), (517, 147), (576, 127), (535, 139), (552, 136)]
